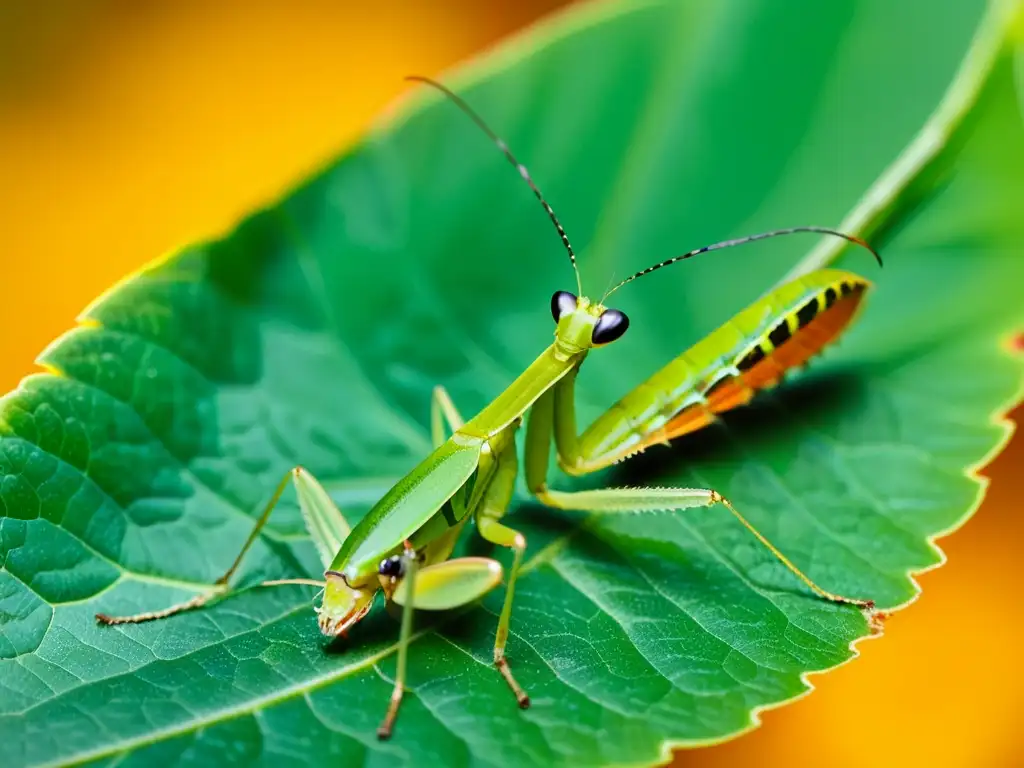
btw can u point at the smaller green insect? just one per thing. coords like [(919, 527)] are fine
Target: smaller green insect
[(403, 546)]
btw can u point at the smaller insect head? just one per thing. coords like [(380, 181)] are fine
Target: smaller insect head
[(392, 568)]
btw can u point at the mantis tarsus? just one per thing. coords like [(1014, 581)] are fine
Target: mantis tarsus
[(403, 546)]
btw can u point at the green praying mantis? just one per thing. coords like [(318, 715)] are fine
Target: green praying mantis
[(403, 546)]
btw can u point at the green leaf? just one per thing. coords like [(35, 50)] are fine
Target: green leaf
[(313, 334)]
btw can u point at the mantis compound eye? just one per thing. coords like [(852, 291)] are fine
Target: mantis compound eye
[(392, 566), (610, 326), (562, 302)]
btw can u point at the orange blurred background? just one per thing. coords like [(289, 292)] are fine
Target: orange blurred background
[(128, 129)]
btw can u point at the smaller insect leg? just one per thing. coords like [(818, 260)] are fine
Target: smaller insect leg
[(326, 525), (439, 587), (492, 508), (409, 568)]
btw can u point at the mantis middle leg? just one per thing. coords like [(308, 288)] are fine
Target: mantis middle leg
[(488, 520), (327, 527), (325, 522)]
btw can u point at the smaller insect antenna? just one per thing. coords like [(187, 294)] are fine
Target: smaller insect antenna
[(743, 240), (461, 104)]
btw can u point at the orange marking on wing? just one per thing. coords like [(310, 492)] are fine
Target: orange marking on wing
[(796, 350), (727, 394), (734, 391), (809, 340), (689, 419)]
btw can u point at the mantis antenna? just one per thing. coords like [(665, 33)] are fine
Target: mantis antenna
[(741, 241), (458, 101)]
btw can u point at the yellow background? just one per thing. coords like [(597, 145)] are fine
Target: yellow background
[(129, 128)]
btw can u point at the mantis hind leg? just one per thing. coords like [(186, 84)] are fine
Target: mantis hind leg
[(620, 500), (326, 525), (553, 415)]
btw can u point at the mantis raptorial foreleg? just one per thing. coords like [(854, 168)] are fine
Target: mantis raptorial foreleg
[(325, 523)]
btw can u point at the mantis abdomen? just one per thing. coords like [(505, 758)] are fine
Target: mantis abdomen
[(750, 352)]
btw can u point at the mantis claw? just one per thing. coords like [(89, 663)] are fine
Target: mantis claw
[(388, 725), (521, 697)]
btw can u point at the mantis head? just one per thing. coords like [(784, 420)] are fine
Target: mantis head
[(583, 324), (343, 606)]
